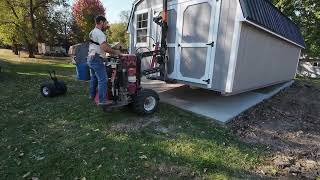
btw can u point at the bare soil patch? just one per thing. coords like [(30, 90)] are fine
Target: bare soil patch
[(133, 125), (289, 125)]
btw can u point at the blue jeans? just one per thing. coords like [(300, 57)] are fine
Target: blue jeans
[(98, 77)]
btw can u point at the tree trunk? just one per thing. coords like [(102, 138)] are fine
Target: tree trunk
[(15, 49), (14, 46), (31, 50), (31, 45)]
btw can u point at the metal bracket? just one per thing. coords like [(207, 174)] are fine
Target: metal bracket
[(211, 44), (207, 81)]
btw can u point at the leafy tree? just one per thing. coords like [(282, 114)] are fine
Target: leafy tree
[(58, 27), (306, 14), (19, 20), (84, 13), (118, 33)]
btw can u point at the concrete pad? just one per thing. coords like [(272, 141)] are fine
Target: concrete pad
[(209, 103)]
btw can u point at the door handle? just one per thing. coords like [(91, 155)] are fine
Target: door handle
[(179, 45), (210, 44)]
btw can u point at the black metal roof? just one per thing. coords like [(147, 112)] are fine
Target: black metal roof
[(265, 14)]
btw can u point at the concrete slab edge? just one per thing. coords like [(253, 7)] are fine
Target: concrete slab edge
[(267, 96)]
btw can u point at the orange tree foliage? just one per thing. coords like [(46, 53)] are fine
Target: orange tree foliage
[(84, 13)]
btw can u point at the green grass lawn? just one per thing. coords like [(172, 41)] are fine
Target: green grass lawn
[(68, 137)]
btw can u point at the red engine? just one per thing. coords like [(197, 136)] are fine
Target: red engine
[(123, 78), (129, 67)]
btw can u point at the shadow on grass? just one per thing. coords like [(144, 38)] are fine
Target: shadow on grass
[(68, 137), (27, 67)]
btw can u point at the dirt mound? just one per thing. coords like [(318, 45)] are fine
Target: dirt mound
[(289, 125)]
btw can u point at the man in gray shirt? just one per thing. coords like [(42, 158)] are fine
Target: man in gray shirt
[(98, 48)]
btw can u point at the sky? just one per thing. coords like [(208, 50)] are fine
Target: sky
[(114, 7)]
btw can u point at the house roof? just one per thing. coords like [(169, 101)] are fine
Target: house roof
[(265, 14), (131, 14)]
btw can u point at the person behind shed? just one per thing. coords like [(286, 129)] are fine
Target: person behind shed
[(98, 48)]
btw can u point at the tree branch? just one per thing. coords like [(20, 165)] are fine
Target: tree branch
[(3, 23), (40, 4), (12, 9)]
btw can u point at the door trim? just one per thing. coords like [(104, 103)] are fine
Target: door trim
[(215, 17), (181, 10)]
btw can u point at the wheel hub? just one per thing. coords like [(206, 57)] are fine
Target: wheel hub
[(150, 103), (45, 91)]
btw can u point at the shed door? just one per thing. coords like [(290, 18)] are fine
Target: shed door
[(195, 40)]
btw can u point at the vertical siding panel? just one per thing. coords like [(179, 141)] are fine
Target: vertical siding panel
[(224, 43)]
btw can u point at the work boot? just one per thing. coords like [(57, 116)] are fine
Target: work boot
[(91, 98)]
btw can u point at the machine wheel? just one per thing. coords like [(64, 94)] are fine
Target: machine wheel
[(62, 85), (47, 90), (146, 102)]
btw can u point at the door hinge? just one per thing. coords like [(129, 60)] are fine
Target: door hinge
[(207, 81), (211, 44)]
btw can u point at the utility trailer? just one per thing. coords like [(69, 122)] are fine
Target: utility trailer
[(229, 46)]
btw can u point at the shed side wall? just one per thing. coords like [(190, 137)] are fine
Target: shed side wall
[(263, 59), (224, 43)]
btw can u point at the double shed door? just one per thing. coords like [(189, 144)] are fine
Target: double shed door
[(190, 40)]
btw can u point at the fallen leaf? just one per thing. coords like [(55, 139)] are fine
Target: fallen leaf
[(21, 154), (147, 164), (34, 178), (143, 157), (104, 148), (26, 175), (39, 158), (99, 166), (205, 170), (84, 178)]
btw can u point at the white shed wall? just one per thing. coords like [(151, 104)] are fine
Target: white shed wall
[(263, 60)]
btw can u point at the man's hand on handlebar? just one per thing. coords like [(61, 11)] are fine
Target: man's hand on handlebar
[(106, 47)]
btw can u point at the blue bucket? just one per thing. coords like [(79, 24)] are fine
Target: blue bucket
[(83, 72)]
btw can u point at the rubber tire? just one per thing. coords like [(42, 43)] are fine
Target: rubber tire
[(51, 89), (138, 103), (62, 86)]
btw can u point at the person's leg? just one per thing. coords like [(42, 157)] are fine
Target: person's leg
[(101, 75), (93, 84), (93, 80)]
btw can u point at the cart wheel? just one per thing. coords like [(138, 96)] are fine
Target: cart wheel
[(146, 102), (63, 86), (47, 90)]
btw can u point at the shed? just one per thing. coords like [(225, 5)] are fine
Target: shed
[(229, 46)]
